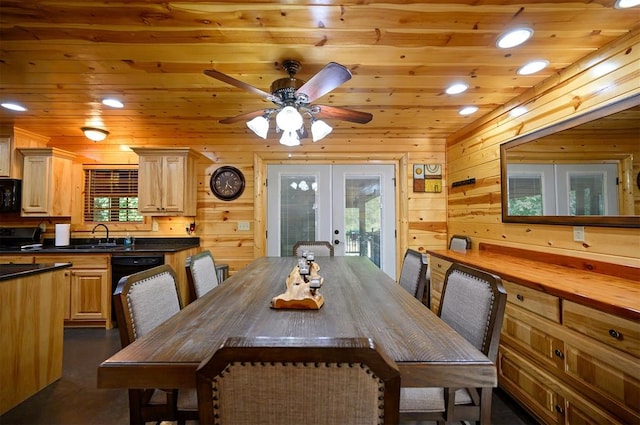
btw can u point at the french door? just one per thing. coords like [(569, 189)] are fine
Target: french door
[(352, 206)]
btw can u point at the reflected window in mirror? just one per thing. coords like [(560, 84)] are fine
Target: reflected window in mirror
[(579, 172)]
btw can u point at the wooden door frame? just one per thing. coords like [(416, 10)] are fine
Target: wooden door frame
[(262, 159)]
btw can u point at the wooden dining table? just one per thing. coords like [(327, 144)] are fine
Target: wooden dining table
[(360, 301)]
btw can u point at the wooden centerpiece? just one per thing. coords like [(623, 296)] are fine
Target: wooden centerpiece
[(302, 286)]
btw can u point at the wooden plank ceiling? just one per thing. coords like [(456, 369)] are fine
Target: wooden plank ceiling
[(60, 58)]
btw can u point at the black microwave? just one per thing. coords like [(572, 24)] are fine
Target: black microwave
[(10, 195)]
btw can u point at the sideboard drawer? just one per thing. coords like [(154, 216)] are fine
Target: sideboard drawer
[(545, 305), (614, 331)]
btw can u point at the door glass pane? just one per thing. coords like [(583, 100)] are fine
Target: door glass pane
[(362, 217), (586, 194), (298, 207)]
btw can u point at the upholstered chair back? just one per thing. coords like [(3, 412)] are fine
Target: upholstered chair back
[(328, 381), (319, 248), (460, 243), (413, 275), (202, 275)]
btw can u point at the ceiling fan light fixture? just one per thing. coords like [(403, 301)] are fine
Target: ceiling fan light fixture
[(95, 134), (319, 129), (514, 38), (290, 138), (259, 125), (289, 119)]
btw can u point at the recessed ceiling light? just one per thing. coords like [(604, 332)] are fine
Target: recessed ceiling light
[(13, 106), (114, 103), (514, 38), (468, 110), (456, 88), (625, 4), (533, 67)]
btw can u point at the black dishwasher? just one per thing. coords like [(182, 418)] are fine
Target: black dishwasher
[(124, 265)]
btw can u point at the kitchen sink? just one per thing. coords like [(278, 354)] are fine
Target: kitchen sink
[(96, 246)]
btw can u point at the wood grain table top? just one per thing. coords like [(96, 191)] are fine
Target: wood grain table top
[(360, 301)]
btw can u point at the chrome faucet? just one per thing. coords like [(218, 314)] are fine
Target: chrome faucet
[(105, 228)]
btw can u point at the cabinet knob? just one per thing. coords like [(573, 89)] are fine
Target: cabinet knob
[(559, 409), (520, 297), (559, 353), (615, 334)]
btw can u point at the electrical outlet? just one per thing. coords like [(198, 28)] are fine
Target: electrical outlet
[(154, 225), (578, 233), (244, 226)]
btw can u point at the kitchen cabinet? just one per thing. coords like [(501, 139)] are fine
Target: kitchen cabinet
[(167, 181), (5, 156), (87, 289), (568, 353), (47, 182)]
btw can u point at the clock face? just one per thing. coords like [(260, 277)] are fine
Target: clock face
[(227, 183)]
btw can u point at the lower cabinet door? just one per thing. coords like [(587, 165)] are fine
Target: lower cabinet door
[(87, 300)]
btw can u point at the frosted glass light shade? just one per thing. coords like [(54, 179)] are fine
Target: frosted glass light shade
[(289, 138), (95, 134), (320, 129), (259, 125), (289, 119)]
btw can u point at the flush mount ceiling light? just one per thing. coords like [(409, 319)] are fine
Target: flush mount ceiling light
[(625, 4), (514, 38), (112, 102), (95, 134), (13, 106), (533, 67), (456, 88)]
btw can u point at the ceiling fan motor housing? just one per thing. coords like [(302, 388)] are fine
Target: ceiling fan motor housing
[(285, 88)]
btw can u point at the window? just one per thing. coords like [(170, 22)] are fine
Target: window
[(525, 195), (111, 195)]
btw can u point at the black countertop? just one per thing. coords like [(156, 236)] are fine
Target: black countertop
[(92, 246), (12, 271)]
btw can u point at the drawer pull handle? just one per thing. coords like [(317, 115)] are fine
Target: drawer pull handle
[(559, 408), (520, 297), (615, 334), (559, 354)]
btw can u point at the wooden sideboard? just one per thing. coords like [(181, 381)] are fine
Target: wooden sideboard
[(570, 342)]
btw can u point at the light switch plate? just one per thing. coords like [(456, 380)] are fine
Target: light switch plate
[(578, 233), (243, 226)]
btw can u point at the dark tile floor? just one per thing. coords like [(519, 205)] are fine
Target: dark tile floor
[(75, 399)]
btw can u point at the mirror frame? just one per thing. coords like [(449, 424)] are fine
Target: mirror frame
[(604, 221)]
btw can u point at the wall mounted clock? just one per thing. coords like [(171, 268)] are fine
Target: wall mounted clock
[(227, 183)]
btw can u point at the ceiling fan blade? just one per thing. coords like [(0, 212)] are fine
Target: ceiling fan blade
[(343, 114), (327, 79), (242, 117), (237, 83)]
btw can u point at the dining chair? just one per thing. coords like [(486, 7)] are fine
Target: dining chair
[(413, 275), (288, 380), (202, 274), (319, 248), (473, 304), (143, 301), (460, 243)]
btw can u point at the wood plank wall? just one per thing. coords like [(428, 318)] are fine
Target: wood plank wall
[(421, 217), (475, 152), (425, 220)]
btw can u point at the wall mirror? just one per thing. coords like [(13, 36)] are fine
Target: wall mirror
[(582, 172)]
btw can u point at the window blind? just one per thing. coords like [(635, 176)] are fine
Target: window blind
[(111, 195)]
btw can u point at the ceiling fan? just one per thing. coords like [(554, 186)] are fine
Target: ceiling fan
[(293, 99)]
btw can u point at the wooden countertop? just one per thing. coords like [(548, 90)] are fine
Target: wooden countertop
[(612, 289)]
